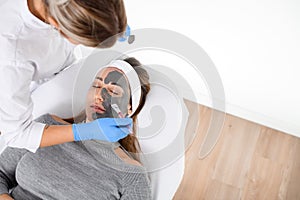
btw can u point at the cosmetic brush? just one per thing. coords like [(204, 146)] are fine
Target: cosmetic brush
[(116, 108)]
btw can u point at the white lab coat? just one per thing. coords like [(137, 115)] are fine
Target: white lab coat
[(30, 50)]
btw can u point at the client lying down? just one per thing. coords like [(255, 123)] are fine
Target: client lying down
[(89, 169)]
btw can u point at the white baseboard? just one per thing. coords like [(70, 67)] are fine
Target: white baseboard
[(256, 117)]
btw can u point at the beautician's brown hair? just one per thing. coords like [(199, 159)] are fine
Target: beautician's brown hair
[(93, 23)]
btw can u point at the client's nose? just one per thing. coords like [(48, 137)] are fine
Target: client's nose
[(98, 95), (102, 94)]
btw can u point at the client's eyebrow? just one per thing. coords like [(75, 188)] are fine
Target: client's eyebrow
[(115, 84)]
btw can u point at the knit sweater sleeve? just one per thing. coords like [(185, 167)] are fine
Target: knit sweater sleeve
[(9, 159), (138, 189)]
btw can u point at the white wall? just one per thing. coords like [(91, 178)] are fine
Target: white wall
[(254, 44)]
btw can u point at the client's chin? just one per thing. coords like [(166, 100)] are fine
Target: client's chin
[(97, 115)]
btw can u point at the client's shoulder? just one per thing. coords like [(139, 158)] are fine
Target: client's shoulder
[(51, 120)]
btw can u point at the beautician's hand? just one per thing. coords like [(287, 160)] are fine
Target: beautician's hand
[(106, 129)]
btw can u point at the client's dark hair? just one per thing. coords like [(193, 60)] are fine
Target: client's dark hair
[(130, 143)]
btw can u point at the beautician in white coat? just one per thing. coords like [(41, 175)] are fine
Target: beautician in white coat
[(31, 50)]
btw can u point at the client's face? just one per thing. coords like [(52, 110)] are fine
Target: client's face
[(109, 87)]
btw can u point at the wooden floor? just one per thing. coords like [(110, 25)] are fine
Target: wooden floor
[(249, 161)]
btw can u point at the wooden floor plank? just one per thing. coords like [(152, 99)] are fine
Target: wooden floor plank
[(240, 138), (293, 187), (250, 161), (219, 191), (264, 180)]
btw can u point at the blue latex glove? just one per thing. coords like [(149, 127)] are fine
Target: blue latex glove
[(106, 129), (126, 34)]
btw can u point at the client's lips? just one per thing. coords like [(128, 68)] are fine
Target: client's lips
[(98, 109)]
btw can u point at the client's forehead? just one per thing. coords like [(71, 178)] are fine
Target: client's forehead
[(105, 71), (113, 75)]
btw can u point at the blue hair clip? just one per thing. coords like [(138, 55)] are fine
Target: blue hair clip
[(126, 34)]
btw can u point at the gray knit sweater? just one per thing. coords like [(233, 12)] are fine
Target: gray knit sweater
[(76, 170)]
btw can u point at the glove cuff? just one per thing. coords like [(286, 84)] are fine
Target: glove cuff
[(75, 133)]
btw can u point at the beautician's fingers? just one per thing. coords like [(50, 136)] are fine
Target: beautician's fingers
[(118, 134), (122, 122), (106, 129)]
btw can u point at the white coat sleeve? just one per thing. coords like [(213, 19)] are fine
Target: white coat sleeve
[(16, 122)]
